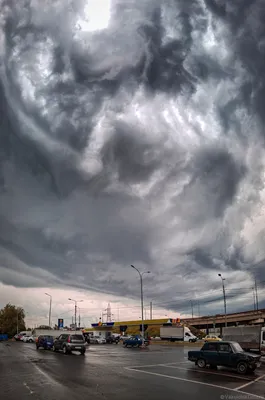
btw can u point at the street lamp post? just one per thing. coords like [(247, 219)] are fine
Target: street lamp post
[(142, 297), (75, 301), (223, 279), (50, 310)]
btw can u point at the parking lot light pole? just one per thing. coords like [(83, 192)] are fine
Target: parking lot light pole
[(142, 297), (75, 301), (223, 279), (50, 310)]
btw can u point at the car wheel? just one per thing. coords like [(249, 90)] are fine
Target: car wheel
[(54, 348), (201, 363), (190, 340), (30, 341), (65, 351), (83, 351), (242, 368)]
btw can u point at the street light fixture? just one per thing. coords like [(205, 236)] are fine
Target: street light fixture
[(223, 279), (50, 311), (75, 301), (142, 297)]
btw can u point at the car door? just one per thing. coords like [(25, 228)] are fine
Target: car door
[(63, 339), (59, 341), (56, 342), (225, 353), (210, 353)]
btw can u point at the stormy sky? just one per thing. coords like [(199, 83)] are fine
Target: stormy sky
[(132, 132)]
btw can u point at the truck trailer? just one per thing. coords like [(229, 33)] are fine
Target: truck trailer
[(250, 337)]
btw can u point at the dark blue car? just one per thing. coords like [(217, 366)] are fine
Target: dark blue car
[(44, 341)]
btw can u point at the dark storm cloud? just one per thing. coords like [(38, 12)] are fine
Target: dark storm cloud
[(137, 142), (245, 21)]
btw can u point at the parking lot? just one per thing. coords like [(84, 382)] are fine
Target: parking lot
[(113, 372)]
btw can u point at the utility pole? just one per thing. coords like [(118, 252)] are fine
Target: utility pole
[(151, 310), (254, 298), (256, 290), (223, 279), (198, 308), (191, 302), (75, 301), (50, 310), (79, 319)]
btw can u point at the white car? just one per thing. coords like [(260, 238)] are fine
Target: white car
[(97, 340), (28, 339)]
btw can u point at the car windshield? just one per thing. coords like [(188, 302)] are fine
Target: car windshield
[(237, 347)]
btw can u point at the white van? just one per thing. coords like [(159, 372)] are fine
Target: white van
[(188, 336)]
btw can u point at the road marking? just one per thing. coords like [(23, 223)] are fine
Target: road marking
[(250, 383), (192, 381), (172, 365), (158, 365), (47, 376), (207, 372), (145, 366), (26, 386)]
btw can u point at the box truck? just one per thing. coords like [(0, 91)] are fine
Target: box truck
[(174, 333), (250, 337)]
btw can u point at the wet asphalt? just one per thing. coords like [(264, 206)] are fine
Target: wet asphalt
[(111, 372)]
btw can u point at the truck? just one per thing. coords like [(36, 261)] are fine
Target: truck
[(51, 332), (250, 337), (177, 333)]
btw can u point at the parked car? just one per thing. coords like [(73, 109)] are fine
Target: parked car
[(97, 340), (135, 341), (70, 342), (19, 336), (113, 339), (212, 338), (27, 339), (228, 354), (44, 341)]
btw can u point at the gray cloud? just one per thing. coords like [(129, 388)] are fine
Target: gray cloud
[(141, 142)]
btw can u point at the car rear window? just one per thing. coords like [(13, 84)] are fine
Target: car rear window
[(77, 337), (48, 337)]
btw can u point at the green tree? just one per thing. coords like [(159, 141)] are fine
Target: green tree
[(12, 319)]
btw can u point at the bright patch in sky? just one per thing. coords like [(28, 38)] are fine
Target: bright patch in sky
[(96, 16)]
